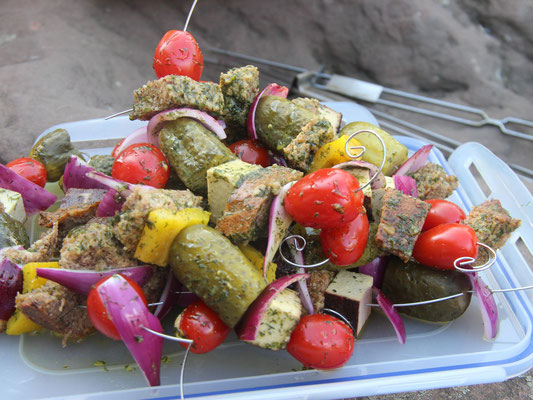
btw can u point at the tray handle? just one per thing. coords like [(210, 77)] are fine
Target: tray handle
[(504, 185)]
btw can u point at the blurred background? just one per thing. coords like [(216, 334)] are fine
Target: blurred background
[(65, 61)]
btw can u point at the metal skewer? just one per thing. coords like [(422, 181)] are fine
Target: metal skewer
[(453, 296), (118, 114)]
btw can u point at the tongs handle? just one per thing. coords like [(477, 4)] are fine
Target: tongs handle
[(371, 92), (349, 87)]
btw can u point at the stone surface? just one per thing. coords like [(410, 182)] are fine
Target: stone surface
[(65, 61)]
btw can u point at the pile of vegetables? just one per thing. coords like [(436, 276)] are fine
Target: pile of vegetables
[(234, 287)]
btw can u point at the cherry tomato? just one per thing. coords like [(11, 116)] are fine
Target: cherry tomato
[(440, 246), (251, 152), (345, 243), (142, 163), (178, 53), (30, 169), (321, 341), (324, 199), (98, 314), (115, 153), (442, 212), (201, 324)]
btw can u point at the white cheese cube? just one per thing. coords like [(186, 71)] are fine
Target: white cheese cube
[(13, 204), (222, 180), (350, 294)]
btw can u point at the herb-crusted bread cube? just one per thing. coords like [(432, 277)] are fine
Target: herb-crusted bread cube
[(239, 87), (245, 217), (173, 91), (492, 223), (402, 218), (432, 182)]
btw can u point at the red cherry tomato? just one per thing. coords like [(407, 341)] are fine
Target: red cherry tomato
[(178, 53), (345, 243), (30, 169), (142, 163), (324, 199), (442, 212), (321, 341), (251, 152), (201, 324), (115, 153), (98, 314), (440, 246)]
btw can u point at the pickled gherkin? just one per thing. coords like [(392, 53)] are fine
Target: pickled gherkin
[(413, 282), (291, 130), (209, 265), (53, 150), (102, 163), (191, 149)]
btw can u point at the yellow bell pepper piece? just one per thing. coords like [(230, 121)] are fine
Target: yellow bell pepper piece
[(396, 152), (257, 259), (333, 153), (161, 228), (18, 323)]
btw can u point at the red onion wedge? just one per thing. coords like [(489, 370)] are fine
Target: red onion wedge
[(375, 269), (10, 285), (276, 159), (391, 313), (110, 204), (406, 185), (415, 162), (34, 197), (303, 290), (378, 183), (272, 89), (278, 224), (130, 315), (139, 135), (249, 325), (487, 305), (81, 281), (186, 297), (123, 188), (157, 122), (75, 175), (170, 295)]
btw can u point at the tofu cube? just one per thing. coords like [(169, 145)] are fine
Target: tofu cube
[(279, 320), (222, 180), (13, 204)]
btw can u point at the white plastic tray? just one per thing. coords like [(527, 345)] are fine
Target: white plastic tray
[(434, 356)]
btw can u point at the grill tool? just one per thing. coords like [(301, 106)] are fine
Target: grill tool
[(322, 85)]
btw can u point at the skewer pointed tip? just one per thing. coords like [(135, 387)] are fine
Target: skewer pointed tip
[(118, 114)]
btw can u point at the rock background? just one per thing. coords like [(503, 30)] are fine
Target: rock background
[(65, 61)]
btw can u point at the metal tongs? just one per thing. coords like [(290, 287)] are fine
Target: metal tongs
[(371, 92), (318, 84)]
